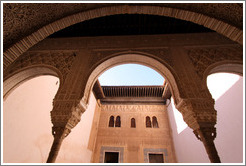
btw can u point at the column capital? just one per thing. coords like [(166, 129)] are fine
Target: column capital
[(66, 114), (197, 112)]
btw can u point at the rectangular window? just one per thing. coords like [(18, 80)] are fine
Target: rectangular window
[(111, 157), (156, 158)]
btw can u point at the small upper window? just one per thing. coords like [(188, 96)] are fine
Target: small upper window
[(133, 123), (111, 121), (148, 121), (155, 122), (118, 123)]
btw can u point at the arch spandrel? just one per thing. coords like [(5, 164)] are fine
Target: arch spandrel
[(23, 45), (33, 64), (208, 60)]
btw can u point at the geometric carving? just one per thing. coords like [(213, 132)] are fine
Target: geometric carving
[(21, 32), (204, 57), (60, 60), (161, 53)]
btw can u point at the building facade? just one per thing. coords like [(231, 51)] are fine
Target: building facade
[(183, 58), (133, 126)]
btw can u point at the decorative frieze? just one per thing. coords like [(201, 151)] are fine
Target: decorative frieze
[(141, 108)]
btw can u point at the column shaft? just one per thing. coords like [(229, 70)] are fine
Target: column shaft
[(208, 142), (54, 149)]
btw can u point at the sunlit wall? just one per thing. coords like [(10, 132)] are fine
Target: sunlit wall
[(227, 90)]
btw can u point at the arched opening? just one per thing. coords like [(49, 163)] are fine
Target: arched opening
[(19, 77), (148, 121), (133, 58), (118, 122), (155, 122), (26, 121), (111, 121), (130, 75), (132, 90), (133, 123)]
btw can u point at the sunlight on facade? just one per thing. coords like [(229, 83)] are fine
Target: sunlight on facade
[(219, 83), (180, 123)]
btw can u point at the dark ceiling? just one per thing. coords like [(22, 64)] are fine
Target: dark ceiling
[(130, 24)]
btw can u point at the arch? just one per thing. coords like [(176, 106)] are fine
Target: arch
[(118, 122), (155, 122), (16, 79), (148, 121), (137, 58), (225, 66), (133, 123), (23, 45), (111, 121)]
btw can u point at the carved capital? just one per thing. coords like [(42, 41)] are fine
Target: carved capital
[(60, 132), (206, 134), (65, 115), (197, 112), (207, 131)]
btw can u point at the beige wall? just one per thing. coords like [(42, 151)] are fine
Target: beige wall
[(27, 125), (134, 140)]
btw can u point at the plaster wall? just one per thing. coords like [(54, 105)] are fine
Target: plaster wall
[(229, 140), (27, 125), (133, 141)]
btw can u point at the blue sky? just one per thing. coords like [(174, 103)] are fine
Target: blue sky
[(131, 74)]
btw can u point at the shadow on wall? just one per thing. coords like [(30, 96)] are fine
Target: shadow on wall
[(229, 140)]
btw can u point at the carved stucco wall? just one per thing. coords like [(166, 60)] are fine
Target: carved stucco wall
[(185, 56), (24, 26), (33, 64), (22, 19), (134, 141)]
